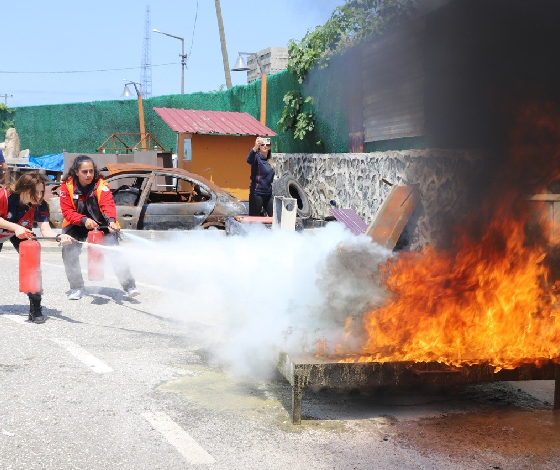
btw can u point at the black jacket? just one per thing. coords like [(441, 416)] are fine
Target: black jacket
[(262, 174)]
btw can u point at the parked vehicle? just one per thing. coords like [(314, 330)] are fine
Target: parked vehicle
[(153, 198)]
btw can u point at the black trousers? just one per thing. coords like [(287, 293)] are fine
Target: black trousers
[(258, 202), (71, 258), (32, 297)]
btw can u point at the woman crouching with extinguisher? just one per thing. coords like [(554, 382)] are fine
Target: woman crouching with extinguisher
[(22, 205), (87, 203)]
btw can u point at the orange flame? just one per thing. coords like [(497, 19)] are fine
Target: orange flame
[(489, 299), (482, 303)]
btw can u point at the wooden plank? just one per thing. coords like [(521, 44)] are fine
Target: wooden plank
[(383, 97), (253, 219), (393, 215), (350, 219), (390, 133), (393, 85), (394, 122), (545, 197)]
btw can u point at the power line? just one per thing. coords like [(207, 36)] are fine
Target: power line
[(87, 71), (194, 28)]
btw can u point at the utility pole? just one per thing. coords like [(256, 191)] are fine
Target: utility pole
[(146, 71), (182, 55), (223, 43), (6, 98)]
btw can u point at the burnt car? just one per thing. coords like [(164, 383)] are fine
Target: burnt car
[(154, 198)]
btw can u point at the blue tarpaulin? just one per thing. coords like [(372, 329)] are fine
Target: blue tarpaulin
[(54, 161)]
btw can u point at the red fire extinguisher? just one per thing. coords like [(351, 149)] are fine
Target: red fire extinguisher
[(95, 255), (30, 267)]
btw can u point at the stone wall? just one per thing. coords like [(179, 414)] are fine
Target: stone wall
[(353, 180)]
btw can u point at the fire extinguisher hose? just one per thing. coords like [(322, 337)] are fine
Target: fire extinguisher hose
[(57, 238)]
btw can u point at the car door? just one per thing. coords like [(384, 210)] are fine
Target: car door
[(183, 203), (130, 192)]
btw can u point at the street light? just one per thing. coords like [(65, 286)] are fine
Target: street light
[(241, 66), (125, 94), (183, 57)]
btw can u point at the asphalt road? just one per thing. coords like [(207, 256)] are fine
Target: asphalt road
[(113, 383)]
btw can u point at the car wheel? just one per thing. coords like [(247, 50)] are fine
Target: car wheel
[(288, 186)]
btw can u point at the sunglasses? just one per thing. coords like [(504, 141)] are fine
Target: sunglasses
[(265, 145)]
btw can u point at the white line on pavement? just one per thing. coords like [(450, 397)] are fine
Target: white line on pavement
[(81, 354), (84, 271), (180, 439), (23, 319), (110, 276)]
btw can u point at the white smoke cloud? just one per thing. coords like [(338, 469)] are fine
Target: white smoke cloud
[(266, 292)]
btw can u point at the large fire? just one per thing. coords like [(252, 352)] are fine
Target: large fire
[(488, 299)]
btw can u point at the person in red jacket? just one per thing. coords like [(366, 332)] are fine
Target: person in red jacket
[(21, 206), (87, 203)]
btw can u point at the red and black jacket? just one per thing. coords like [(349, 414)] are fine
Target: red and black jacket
[(12, 211), (97, 203)]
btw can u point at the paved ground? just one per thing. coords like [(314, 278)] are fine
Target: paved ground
[(113, 383)]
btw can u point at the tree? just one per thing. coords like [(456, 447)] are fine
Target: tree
[(4, 111), (349, 25)]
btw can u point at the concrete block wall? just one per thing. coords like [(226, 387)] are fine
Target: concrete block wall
[(273, 60), (355, 180)]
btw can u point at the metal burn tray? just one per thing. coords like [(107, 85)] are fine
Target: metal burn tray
[(309, 371)]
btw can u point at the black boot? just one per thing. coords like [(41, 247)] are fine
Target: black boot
[(35, 310)]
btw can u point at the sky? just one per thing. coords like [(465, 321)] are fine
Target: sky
[(69, 51)]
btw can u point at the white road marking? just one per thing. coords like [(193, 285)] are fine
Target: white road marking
[(23, 319), (177, 437), (84, 271), (81, 354), (107, 275)]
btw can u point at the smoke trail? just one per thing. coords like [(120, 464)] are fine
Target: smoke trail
[(265, 292)]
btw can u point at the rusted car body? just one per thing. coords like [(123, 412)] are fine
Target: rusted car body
[(154, 198)]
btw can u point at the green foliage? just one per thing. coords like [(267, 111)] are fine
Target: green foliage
[(222, 88), (349, 25), (305, 123), (295, 117), (6, 124)]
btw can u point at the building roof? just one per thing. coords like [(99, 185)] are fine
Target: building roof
[(212, 122)]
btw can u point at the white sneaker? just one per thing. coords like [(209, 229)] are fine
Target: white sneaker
[(132, 292), (76, 294)]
